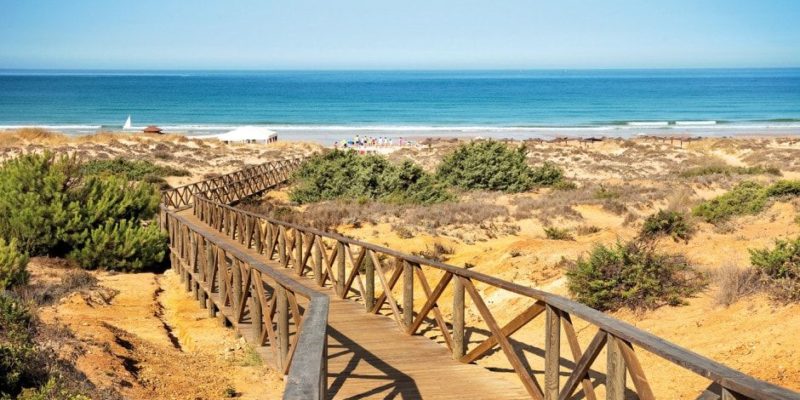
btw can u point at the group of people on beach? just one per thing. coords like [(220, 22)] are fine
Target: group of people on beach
[(370, 141)]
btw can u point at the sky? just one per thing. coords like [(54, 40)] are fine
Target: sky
[(409, 34)]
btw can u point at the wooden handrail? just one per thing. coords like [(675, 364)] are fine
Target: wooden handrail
[(224, 287), (342, 262), (624, 334)]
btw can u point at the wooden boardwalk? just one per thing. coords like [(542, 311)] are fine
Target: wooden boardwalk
[(369, 358), (311, 303)]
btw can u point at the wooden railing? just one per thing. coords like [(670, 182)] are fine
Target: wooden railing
[(267, 306), (375, 271), (262, 303), (234, 186), (235, 281)]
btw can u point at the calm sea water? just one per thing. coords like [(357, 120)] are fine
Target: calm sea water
[(402, 100)]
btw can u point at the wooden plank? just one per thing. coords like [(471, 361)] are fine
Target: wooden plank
[(552, 356), (583, 364), (527, 379), (637, 372), (509, 329)]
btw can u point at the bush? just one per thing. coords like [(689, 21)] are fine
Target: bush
[(554, 233), (745, 198), (565, 185), (784, 188), (672, 223), (16, 347), (12, 265), (735, 283), (53, 207), (632, 275), (781, 267), (490, 165), (348, 175), (134, 170), (121, 246)]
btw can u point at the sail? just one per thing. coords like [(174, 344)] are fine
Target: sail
[(127, 123)]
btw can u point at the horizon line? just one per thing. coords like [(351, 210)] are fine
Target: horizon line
[(401, 69)]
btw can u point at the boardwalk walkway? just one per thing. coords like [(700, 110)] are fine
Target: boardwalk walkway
[(369, 358), (314, 304)]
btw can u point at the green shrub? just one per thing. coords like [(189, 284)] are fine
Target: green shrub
[(565, 185), (728, 170), (604, 193), (348, 175), (784, 188), (54, 207), (555, 233), (632, 275), (745, 198), (781, 267), (549, 174), (17, 351), (671, 223), (12, 265), (134, 170), (490, 165), (121, 246), (34, 200)]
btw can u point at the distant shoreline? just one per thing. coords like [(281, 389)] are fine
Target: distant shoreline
[(327, 135)]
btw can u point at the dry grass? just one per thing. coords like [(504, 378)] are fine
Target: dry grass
[(734, 283)]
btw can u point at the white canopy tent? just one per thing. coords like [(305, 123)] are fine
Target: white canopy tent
[(248, 134)]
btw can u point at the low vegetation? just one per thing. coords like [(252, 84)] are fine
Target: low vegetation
[(780, 266), (12, 265), (555, 233), (347, 175), (667, 223), (54, 207), (633, 275), (491, 165), (724, 169), (745, 198), (133, 170), (735, 282)]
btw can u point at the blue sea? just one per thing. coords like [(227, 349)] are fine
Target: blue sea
[(323, 104)]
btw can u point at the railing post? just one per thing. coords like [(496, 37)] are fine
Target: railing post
[(552, 355), (408, 293), (282, 305), (369, 275), (615, 371), (340, 272), (317, 260), (459, 347), (298, 252), (282, 246), (237, 288), (255, 305), (270, 232)]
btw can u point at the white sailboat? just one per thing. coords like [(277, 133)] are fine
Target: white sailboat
[(127, 125)]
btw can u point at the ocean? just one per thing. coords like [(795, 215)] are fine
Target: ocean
[(325, 105)]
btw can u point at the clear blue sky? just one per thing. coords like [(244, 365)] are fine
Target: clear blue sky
[(337, 34)]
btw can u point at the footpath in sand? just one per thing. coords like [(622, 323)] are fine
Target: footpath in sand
[(145, 338)]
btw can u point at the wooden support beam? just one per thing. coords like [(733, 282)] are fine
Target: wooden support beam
[(615, 371), (552, 354), (408, 293), (459, 345)]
